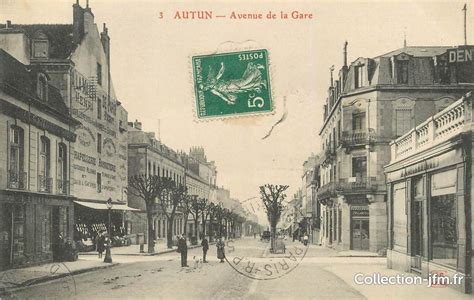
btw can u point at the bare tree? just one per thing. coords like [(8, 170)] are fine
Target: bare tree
[(198, 205), (148, 188), (185, 208), (206, 208), (273, 197), (170, 199)]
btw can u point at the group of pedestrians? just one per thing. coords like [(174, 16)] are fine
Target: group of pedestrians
[(183, 250), (102, 241)]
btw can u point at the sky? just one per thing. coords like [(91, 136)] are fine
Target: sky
[(151, 68)]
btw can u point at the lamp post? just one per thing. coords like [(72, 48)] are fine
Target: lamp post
[(108, 254)]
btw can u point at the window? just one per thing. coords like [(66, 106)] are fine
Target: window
[(99, 74), (358, 121), (44, 165), (99, 143), (359, 167), (402, 71), (16, 176), (62, 169), (99, 108), (359, 76), (42, 87), (403, 121), (40, 49), (99, 182)]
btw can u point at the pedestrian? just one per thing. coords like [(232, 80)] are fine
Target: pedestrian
[(305, 239), (100, 244), (205, 247), (220, 250), (183, 249)]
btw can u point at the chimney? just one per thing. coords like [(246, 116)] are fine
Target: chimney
[(137, 125), (9, 24), (345, 54), (78, 22), (88, 18)]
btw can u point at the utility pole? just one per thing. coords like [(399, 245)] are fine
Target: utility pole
[(465, 25)]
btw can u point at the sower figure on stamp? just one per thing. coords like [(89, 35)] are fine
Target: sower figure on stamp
[(205, 247), (183, 249), (220, 250)]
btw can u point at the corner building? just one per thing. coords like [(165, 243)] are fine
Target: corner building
[(373, 101)]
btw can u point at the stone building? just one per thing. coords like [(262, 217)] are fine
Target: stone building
[(37, 130), (147, 155), (310, 207), (373, 101), (429, 182), (76, 60)]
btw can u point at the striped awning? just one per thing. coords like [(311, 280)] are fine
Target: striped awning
[(103, 206)]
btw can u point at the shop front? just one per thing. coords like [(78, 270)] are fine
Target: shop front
[(360, 238), (92, 218), (33, 228), (429, 218)]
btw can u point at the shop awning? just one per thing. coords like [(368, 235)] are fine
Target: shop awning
[(103, 206)]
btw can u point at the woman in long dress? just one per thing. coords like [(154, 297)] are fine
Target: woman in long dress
[(220, 250)]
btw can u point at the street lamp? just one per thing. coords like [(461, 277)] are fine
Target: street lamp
[(108, 255)]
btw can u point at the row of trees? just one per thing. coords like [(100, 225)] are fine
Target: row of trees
[(172, 198)]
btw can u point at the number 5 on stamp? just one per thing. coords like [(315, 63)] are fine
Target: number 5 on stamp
[(236, 83)]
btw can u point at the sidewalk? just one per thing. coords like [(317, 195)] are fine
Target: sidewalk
[(134, 250), (17, 278)]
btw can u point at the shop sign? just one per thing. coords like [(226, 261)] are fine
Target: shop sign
[(360, 213)]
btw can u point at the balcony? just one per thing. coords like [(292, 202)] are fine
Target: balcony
[(16, 180), (352, 139), (326, 191), (439, 128), (357, 185), (329, 155), (44, 184), (63, 187)]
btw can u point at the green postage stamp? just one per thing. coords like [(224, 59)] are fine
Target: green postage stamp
[(236, 83)]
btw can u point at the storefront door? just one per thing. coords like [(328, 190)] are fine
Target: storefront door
[(416, 234), (360, 229), (5, 235)]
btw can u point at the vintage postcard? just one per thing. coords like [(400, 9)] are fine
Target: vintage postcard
[(236, 149)]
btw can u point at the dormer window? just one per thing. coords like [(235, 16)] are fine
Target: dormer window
[(40, 46), (42, 87), (359, 76)]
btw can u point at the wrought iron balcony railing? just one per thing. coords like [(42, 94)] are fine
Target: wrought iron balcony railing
[(17, 179), (45, 184), (357, 138), (357, 185), (329, 155), (63, 187), (326, 191)]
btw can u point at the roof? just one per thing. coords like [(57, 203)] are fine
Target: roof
[(19, 81), (60, 36), (419, 51)]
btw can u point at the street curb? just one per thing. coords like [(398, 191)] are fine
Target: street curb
[(35, 281)]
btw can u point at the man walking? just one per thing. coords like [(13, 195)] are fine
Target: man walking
[(205, 247), (183, 249)]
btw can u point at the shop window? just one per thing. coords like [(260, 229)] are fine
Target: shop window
[(62, 169), (403, 121), (18, 222), (358, 121), (44, 165), (443, 217), (402, 72), (16, 176), (359, 76), (359, 167)]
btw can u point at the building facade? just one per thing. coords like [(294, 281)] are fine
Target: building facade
[(310, 206), (76, 61), (373, 101), (37, 130), (429, 183)]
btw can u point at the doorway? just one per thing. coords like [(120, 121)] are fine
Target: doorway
[(360, 234), (416, 235), (57, 236)]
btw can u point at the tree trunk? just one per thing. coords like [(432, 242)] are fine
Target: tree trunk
[(169, 233), (185, 229), (272, 238), (211, 233), (196, 224), (151, 232)]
